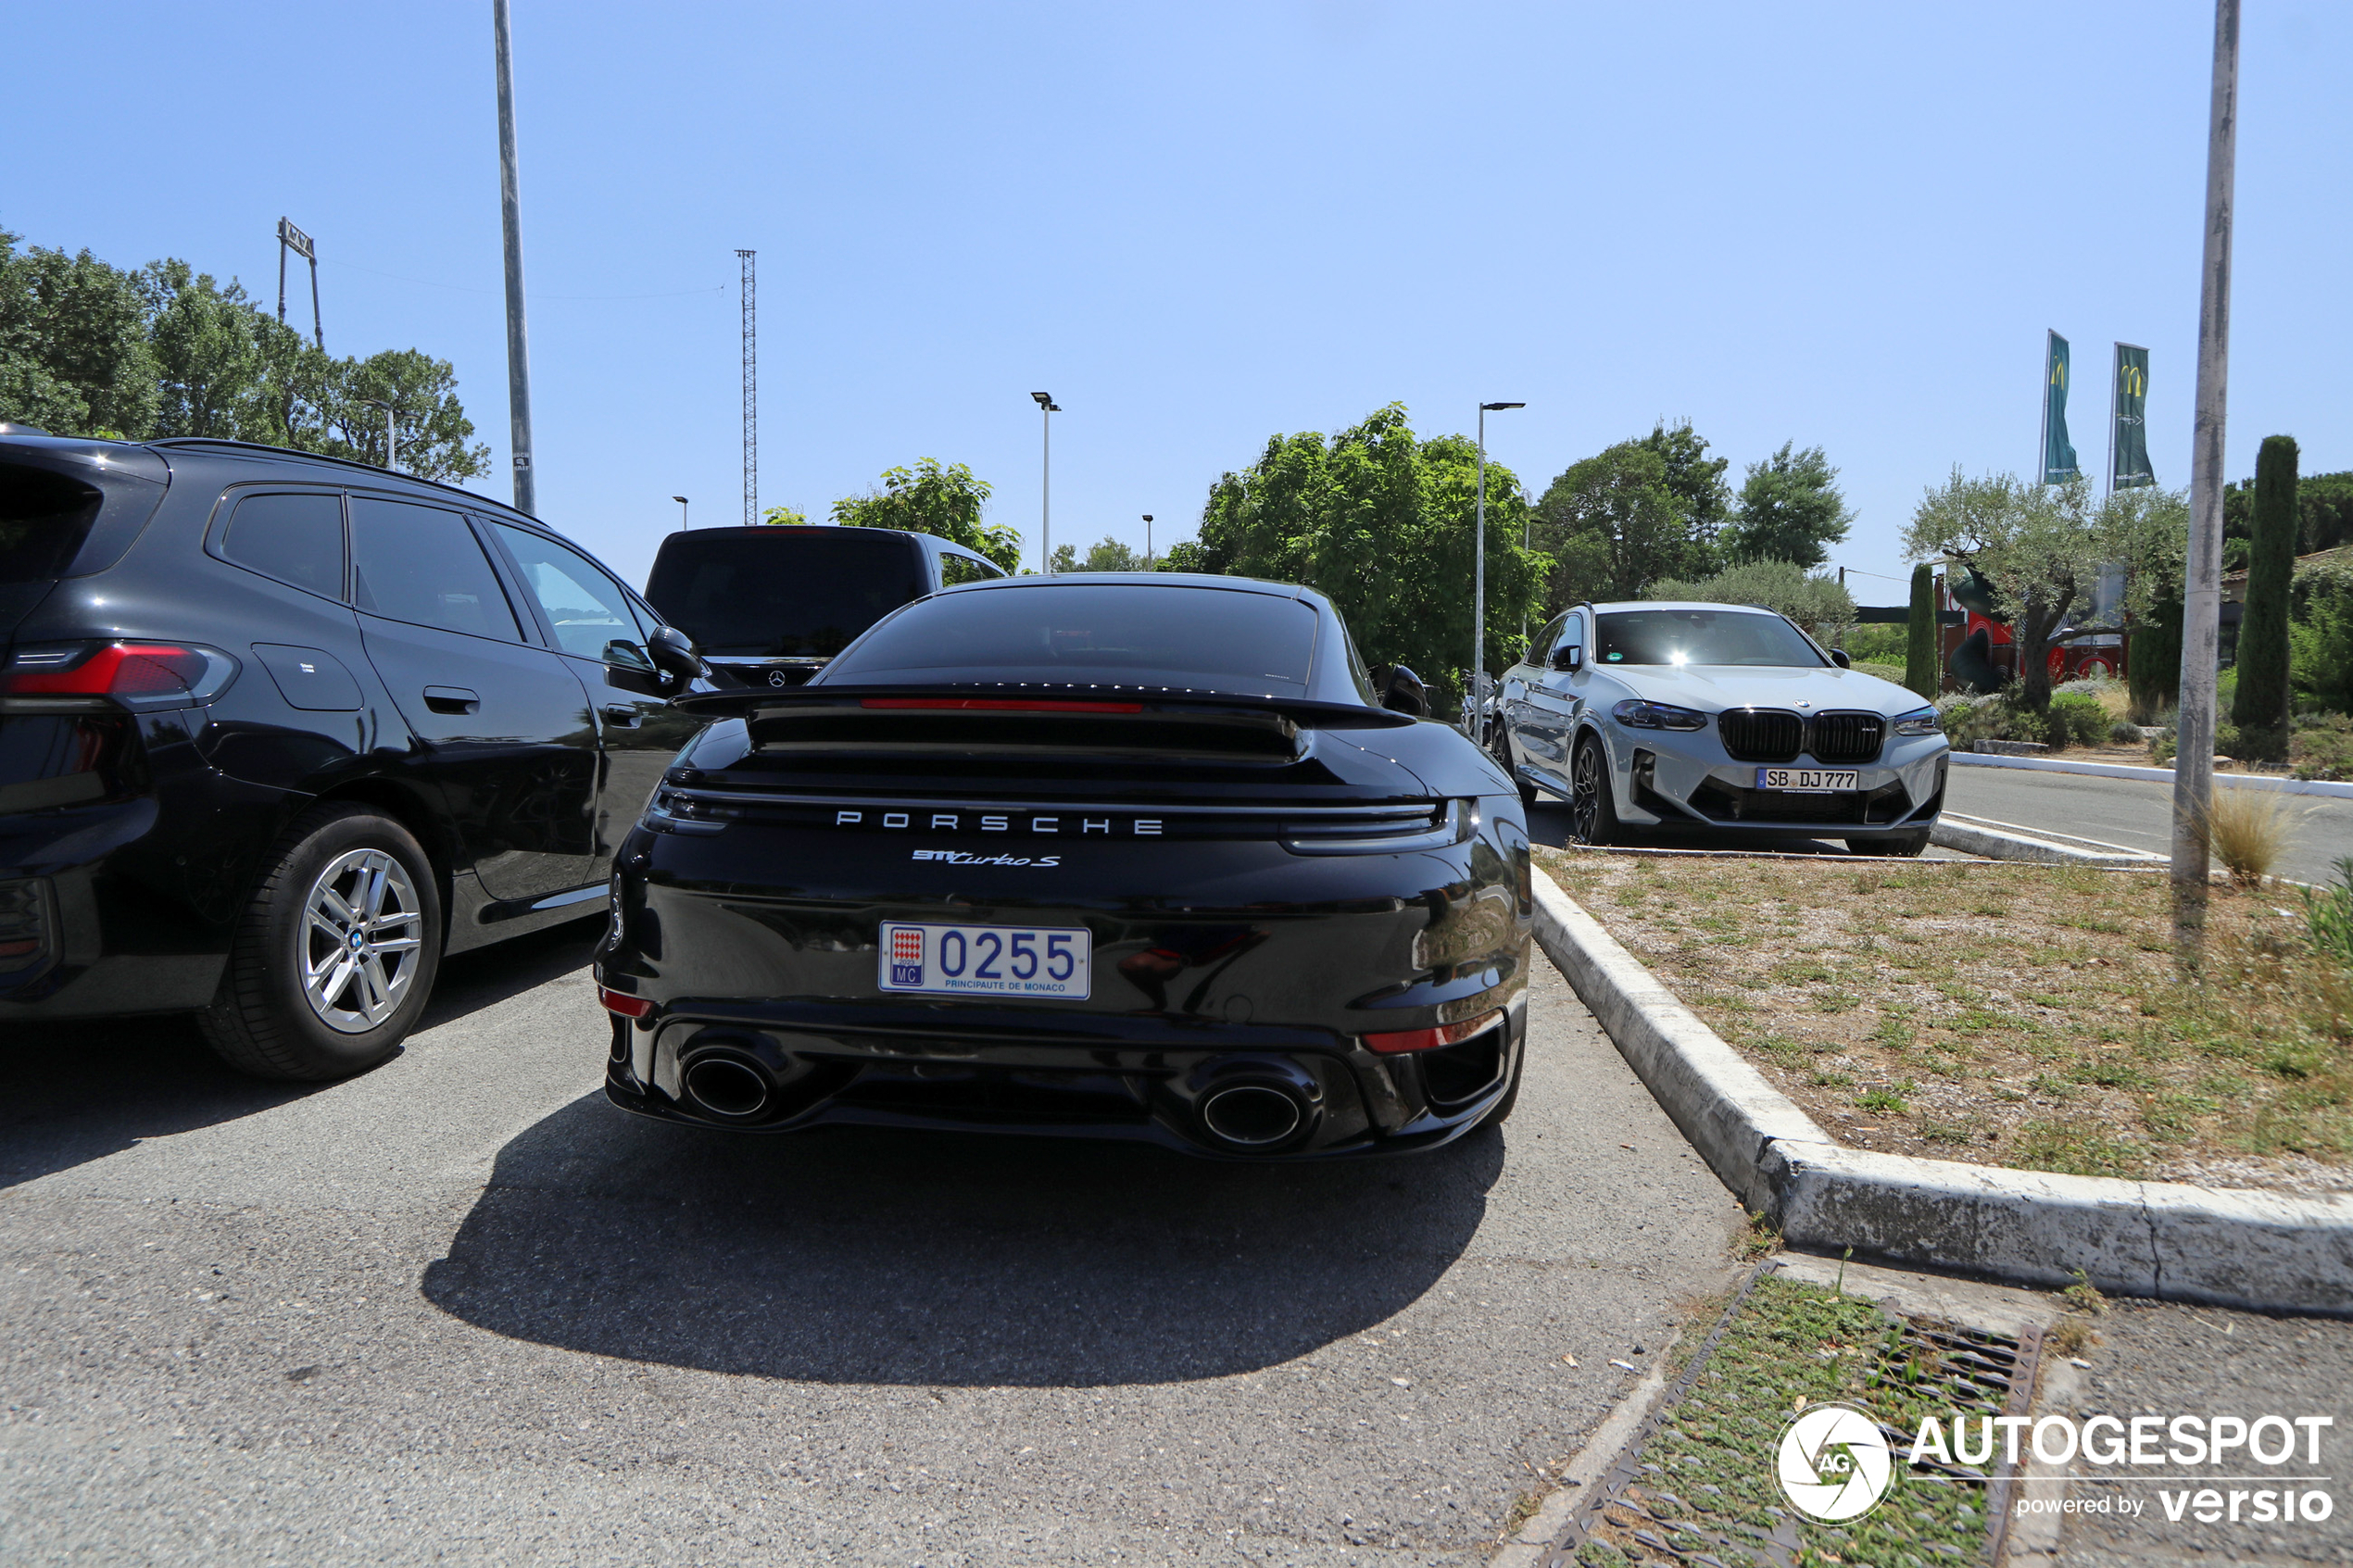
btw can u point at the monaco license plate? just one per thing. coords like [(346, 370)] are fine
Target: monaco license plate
[(1806, 780), (987, 960)]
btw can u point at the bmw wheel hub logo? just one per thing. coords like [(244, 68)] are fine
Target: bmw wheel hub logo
[(1833, 1462)]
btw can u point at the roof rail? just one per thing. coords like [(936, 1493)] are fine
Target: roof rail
[(225, 445)]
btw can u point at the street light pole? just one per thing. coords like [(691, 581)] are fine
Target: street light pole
[(510, 220), (1475, 721), (2202, 595), (392, 433), (1046, 409), (682, 512), (1148, 541)]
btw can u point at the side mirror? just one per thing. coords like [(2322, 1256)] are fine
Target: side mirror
[(674, 654), (1400, 691), (1569, 656), (1838, 656)]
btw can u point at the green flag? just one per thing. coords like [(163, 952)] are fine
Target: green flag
[(2129, 466), (2059, 453)]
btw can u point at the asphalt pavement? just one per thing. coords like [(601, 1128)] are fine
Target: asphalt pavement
[(461, 1311), (2138, 813)]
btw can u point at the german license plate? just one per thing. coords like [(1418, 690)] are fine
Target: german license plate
[(1806, 780), (987, 960)]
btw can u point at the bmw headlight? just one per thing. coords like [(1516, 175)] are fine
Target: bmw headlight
[(1636, 714), (1920, 721)]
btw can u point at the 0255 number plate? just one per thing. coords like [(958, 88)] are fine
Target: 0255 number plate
[(985, 961), (1806, 780)]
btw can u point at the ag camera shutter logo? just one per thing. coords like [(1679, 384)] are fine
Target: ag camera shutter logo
[(1833, 1462)]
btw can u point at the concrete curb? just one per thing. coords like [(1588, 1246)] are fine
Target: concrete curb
[(2168, 1240), (2330, 787), (2001, 841)]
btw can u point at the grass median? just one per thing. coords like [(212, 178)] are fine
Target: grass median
[(2022, 1015)]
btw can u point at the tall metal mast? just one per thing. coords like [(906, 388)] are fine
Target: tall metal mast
[(518, 339), (752, 386)]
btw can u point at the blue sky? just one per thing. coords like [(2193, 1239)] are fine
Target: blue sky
[(1199, 225)]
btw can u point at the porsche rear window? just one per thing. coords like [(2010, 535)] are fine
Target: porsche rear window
[(1145, 634)]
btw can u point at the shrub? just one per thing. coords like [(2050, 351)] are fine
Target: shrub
[(2076, 718), (2321, 746), (2162, 747), (2247, 830), (1884, 672), (1983, 718), (1920, 673), (2328, 915), (2125, 732), (2262, 697)]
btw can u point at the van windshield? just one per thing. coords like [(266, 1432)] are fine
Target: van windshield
[(771, 593)]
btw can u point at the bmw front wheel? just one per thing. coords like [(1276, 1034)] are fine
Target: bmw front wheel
[(1592, 814)]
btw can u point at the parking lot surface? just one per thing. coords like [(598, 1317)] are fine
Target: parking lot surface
[(460, 1310)]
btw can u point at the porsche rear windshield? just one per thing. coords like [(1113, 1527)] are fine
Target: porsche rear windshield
[(1702, 636), (1211, 639)]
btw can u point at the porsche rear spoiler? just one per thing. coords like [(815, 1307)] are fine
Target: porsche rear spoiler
[(1113, 702)]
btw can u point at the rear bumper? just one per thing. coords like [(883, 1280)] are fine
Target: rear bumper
[(1174, 1088)]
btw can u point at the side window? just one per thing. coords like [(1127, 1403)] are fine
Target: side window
[(589, 613), (1540, 646), (424, 565), (295, 538), (1572, 632), (955, 569)]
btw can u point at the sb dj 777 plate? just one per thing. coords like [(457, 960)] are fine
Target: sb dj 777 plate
[(1806, 780), (985, 961)]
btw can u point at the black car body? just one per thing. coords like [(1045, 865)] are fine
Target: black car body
[(1262, 916), (213, 653), (769, 607)]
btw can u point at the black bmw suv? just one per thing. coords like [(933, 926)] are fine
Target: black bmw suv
[(277, 731)]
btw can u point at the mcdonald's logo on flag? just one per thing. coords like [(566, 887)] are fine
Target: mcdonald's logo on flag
[(2059, 453), (2129, 442)]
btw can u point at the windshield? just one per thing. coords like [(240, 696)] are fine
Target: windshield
[(776, 592), (1211, 639), (1702, 636)]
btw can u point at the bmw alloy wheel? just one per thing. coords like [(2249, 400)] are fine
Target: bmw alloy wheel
[(1585, 805), (362, 929)]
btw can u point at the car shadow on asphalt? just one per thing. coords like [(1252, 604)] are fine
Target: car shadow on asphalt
[(1548, 823), (81, 1089), (866, 1257)]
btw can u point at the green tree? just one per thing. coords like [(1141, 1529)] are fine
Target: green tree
[(1790, 509), (73, 345), (1106, 554), (784, 517), (2041, 548), (937, 498), (2261, 704), (1920, 673), (1696, 480), (1382, 523), (422, 392), (207, 350), (1817, 601), (1613, 525), (2321, 637)]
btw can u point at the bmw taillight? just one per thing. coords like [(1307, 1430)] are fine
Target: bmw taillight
[(134, 675)]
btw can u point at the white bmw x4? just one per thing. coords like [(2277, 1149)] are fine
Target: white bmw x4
[(1719, 718)]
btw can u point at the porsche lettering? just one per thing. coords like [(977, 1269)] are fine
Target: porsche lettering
[(989, 821)]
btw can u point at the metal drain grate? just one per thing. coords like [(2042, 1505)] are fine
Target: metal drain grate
[(1637, 1507)]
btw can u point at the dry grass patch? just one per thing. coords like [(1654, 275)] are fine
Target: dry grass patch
[(2032, 1016)]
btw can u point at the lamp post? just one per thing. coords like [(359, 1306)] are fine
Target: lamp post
[(1148, 541), (1474, 719), (392, 433), (1046, 409), (682, 512)]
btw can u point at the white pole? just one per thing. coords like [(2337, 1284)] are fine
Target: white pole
[(2202, 594), (1046, 489), (510, 220), (1478, 725)]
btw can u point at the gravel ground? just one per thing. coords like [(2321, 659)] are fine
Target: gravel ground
[(461, 1311)]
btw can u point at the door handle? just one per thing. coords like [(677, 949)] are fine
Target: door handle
[(622, 715), (452, 700)]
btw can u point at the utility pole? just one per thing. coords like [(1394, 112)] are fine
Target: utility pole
[(2202, 597), (511, 213), (1046, 409), (1475, 721), (1148, 541), (751, 387)]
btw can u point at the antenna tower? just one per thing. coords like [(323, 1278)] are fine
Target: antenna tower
[(751, 387)]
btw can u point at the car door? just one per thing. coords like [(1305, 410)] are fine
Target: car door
[(1554, 700), (593, 622), (503, 728), (1519, 715)]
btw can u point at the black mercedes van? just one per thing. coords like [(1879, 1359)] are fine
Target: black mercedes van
[(278, 729), (770, 606)]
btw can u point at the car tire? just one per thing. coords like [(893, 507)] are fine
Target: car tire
[(1501, 749), (1904, 844), (352, 900), (1592, 810)]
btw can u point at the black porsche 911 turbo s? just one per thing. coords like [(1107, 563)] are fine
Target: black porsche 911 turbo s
[(1126, 857)]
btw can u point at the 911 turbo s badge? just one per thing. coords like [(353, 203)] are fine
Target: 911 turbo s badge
[(958, 858)]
